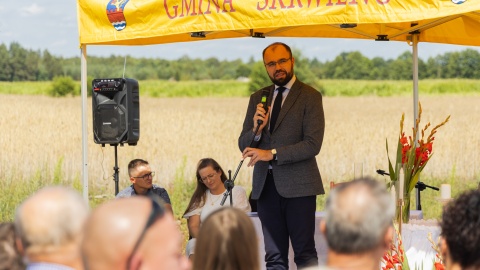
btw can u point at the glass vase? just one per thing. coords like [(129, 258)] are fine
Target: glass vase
[(406, 208)]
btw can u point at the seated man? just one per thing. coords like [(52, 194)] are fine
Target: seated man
[(460, 237), (358, 224), (141, 176), (132, 233), (49, 228)]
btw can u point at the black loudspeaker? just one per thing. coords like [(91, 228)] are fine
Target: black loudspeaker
[(116, 111)]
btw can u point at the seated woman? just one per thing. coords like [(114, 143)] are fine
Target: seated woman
[(208, 196)]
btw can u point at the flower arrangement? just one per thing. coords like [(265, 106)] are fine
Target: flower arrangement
[(438, 262), (395, 258), (413, 155)]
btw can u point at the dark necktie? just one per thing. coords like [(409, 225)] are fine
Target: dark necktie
[(277, 105)]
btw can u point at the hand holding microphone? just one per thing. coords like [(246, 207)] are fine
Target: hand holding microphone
[(262, 112)]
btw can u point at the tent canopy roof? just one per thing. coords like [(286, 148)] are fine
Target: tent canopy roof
[(134, 22)]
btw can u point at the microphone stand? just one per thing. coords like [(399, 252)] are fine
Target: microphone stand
[(420, 186), (229, 183)]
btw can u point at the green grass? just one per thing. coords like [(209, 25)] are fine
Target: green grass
[(193, 88), (25, 88), (232, 88), (398, 88)]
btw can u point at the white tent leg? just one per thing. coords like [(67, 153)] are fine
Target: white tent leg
[(415, 104), (83, 78), (415, 80)]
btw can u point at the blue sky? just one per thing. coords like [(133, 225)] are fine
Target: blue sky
[(52, 25)]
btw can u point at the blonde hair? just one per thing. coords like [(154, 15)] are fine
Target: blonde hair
[(227, 241)]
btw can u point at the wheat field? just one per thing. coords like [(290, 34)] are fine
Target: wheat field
[(38, 132)]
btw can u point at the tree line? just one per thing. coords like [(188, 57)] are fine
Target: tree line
[(21, 64)]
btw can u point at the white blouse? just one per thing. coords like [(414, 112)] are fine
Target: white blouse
[(240, 201)]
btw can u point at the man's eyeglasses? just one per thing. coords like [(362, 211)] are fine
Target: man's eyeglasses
[(281, 62), (157, 212), (145, 176), (208, 177)]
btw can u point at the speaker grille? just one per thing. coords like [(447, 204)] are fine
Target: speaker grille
[(111, 122)]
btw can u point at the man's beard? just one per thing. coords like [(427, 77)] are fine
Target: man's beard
[(283, 81)]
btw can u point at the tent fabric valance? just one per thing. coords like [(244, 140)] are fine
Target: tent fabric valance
[(135, 22)]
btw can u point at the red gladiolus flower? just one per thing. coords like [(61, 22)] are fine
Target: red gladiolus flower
[(439, 266)]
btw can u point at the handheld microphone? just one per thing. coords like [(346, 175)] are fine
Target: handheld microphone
[(265, 94)]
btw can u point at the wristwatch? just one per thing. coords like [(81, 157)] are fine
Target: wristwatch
[(274, 153)]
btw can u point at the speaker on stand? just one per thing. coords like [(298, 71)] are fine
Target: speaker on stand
[(116, 114)]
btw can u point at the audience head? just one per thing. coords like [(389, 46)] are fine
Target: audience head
[(210, 170), (212, 164), (359, 217), (10, 258), (460, 227), (132, 233), (140, 173), (49, 225), (227, 241)]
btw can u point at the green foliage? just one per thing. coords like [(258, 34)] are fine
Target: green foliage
[(62, 86), (25, 88), (16, 187), (20, 64), (163, 89), (57, 173), (180, 191), (258, 78)]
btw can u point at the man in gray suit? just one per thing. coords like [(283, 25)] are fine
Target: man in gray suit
[(282, 143)]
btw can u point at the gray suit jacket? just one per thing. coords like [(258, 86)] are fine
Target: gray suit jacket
[(298, 137)]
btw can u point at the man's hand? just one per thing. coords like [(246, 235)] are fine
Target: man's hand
[(260, 114), (256, 154)]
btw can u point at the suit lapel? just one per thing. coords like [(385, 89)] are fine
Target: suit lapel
[(289, 101)]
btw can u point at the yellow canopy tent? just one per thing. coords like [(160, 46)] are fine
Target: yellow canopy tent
[(130, 22), (145, 22)]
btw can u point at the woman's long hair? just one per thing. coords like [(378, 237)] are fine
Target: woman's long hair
[(227, 241), (199, 195)]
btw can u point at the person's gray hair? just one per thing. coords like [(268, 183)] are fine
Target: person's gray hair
[(50, 218), (358, 213)]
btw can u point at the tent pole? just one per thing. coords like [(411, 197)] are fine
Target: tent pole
[(415, 81), (83, 79), (415, 104)]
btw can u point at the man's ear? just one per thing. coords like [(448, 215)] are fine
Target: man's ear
[(443, 248), (20, 246), (132, 180), (323, 227), (388, 237)]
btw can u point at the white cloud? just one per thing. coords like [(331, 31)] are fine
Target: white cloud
[(33, 9)]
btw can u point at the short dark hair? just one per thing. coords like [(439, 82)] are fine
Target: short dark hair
[(275, 44), (460, 226), (135, 163)]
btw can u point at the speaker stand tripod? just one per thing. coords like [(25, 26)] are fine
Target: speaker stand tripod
[(115, 170)]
